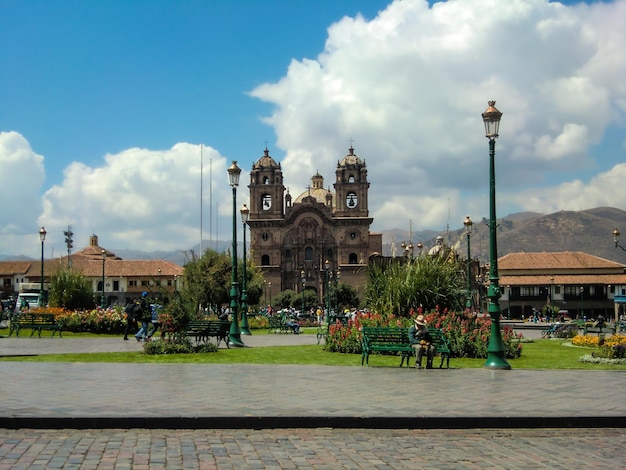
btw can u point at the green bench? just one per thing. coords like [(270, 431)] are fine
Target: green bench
[(202, 330), (37, 322), (385, 339), (391, 339), (275, 324)]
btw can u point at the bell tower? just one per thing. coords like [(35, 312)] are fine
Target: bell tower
[(266, 189), (351, 187)]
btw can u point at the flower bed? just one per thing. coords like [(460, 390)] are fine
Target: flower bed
[(467, 334)]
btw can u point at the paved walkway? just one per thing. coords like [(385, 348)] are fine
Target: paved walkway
[(79, 415)]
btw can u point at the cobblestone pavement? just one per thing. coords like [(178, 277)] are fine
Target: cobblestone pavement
[(219, 416), (313, 449)]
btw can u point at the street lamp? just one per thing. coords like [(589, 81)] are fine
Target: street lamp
[(508, 296), (495, 351), (234, 336), (327, 272), (269, 285), (551, 296), (245, 329), (468, 230), (104, 256), (42, 237), (582, 302), (337, 276), (303, 278), (616, 240)]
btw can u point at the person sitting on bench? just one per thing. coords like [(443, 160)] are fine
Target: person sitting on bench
[(420, 340)]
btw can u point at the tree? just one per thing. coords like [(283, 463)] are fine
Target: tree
[(426, 281), (208, 279), (70, 290), (345, 296)]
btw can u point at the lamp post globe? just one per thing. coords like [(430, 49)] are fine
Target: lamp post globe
[(42, 238), (468, 230), (616, 235), (245, 328), (496, 357), (234, 336)]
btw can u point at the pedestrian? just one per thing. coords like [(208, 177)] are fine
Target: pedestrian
[(421, 341), (600, 322), (131, 322), (154, 312), (144, 315), (290, 323)]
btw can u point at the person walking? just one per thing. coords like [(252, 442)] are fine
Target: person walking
[(154, 309), (421, 341), (131, 322), (144, 315)]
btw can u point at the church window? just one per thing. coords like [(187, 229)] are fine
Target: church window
[(265, 236), (266, 202), (351, 200), (352, 235), (266, 180), (288, 254), (352, 258), (265, 260), (351, 179), (308, 254)]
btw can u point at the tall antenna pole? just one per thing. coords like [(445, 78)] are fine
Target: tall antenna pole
[(211, 199), (201, 172)]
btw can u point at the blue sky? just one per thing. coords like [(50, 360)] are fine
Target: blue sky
[(104, 107)]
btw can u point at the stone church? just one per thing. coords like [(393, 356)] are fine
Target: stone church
[(320, 238)]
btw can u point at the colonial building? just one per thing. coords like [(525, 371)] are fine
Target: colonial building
[(320, 237), (123, 279), (582, 284)]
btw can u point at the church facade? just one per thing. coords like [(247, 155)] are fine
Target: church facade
[(320, 238)]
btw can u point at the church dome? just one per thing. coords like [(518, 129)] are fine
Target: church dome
[(316, 191), (351, 159), (266, 161)]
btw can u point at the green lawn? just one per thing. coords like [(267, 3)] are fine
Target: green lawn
[(541, 354)]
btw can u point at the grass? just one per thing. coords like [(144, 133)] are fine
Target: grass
[(540, 354)]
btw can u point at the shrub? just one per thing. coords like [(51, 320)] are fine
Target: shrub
[(177, 344)]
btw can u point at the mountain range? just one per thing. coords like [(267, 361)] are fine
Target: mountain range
[(589, 231)]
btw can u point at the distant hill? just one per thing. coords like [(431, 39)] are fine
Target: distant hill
[(589, 231)]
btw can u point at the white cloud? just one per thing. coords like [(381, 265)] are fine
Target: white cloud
[(140, 199), (409, 87), (21, 180)]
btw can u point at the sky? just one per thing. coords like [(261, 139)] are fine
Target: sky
[(120, 118)]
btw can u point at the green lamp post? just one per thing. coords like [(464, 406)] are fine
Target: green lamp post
[(327, 266), (468, 230), (303, 279), (42, 238), (234, 336), (495, 351), (337, 277), (245, 329), (102, 298)]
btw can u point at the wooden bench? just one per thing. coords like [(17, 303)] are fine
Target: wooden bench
[(37, 322), (202, 330), (391, 339), (275, 325), (385, 339)]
